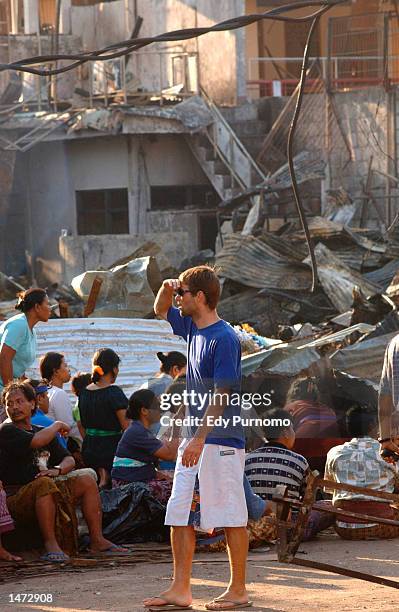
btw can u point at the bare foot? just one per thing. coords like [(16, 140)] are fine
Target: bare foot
[(102, 545), (170, 596), (6, 556), (229, 600)]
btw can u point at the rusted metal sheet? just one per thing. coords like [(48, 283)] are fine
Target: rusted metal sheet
[(254, 263), (135, 340)]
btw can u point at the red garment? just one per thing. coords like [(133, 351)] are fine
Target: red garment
[(360, 506), (316, 431)]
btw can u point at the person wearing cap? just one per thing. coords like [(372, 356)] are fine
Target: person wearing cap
[(173, 364), (40, 417), (54, 369), (18, 337)]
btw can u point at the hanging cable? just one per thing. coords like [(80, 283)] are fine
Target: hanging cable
[(290, 145), (129, 46)]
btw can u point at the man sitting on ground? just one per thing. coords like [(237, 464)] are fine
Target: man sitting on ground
[(359, 463), (275, 463), (31, 459)]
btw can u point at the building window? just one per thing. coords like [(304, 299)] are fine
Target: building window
[(102, 211), (176, 197)]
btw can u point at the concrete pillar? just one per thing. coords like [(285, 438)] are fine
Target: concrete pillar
[(241, 57), (65, 20), (14, 16), (31, 16), (139, 188)]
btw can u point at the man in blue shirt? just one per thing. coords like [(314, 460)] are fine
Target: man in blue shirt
[(210, 463)]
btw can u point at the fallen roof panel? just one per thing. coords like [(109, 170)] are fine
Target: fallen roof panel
[(363, 359), (253, 263), (338, 280), (135, 340)]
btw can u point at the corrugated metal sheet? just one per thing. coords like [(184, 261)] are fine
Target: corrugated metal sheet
[(389, 325), (338, 280), (357, 258), (251, 262), (363, 359), (284, 359), (361, 328), (135, 340), (383, 276)]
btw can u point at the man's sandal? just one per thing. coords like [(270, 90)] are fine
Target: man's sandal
[(55, 557)]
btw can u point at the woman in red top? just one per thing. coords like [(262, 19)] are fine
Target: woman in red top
[(315, 424)]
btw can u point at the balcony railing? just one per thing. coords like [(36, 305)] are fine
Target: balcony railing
[(340, 73), (148, 75)]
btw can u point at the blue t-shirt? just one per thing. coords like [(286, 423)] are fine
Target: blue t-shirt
[(16, 334), (213, 362), (134, 459), (42, 420)]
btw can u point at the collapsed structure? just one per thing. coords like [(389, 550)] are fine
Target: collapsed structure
[(128, 170)]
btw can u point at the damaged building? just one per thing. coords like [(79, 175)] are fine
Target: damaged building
[(148, 146)]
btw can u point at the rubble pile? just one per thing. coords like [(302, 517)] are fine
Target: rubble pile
[(342, 328)]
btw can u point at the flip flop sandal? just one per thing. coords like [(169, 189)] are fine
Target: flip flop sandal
[(169, 607), (231, 605), (55, 557)]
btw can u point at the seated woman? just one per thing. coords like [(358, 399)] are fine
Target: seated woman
[(139, 451), (6, 525), (173, 364), (30, 460), (102, 409)]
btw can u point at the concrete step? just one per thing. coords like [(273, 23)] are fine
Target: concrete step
[(245, 112)]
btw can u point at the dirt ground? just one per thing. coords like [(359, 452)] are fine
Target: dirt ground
[(273, 587)]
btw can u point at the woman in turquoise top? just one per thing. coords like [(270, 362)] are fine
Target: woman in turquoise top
[(18, 338)]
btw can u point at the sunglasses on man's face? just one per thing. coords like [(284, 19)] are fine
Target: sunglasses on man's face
[(181, 291)]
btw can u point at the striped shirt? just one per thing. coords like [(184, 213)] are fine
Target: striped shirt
[(272, 465)]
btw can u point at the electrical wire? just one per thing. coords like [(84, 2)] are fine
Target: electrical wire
[(290, 146), (129, 46)]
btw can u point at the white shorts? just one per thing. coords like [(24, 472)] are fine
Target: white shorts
[(220, 473)]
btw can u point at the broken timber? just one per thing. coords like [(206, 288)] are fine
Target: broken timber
[(291, 537)]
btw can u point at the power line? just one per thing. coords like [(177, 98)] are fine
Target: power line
[(129, 46)]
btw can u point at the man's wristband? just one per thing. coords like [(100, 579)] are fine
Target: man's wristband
[(382, 440)]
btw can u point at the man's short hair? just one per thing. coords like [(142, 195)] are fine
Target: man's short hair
[(25, 387), (279, 420), (203, 278), (360, 421)]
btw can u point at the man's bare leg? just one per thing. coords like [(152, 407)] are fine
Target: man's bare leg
[(183, 546), (237, 548), (85, 490), (45, 514)]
